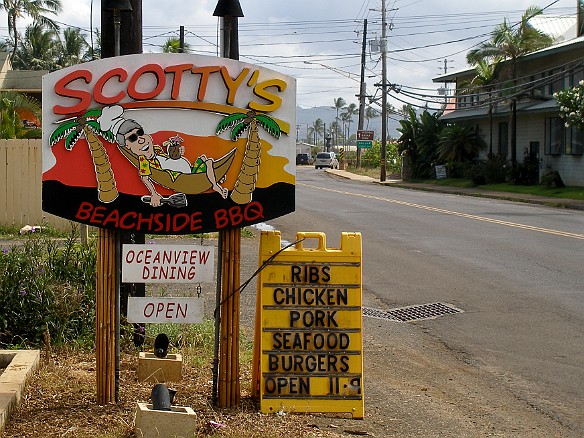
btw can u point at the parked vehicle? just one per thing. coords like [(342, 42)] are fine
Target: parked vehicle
[(326, 159), (303, 159)]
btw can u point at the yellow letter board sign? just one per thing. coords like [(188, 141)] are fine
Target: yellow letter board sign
[(309, 326)]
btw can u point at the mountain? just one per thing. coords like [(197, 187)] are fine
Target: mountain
[(305, 117)]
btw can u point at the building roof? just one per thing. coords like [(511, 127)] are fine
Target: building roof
[(22, 80), (499, 110), (561, 28), (25, 81)]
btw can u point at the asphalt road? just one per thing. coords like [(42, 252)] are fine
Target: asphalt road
[(515, 270)]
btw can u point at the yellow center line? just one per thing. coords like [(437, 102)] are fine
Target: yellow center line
[(453, 213)]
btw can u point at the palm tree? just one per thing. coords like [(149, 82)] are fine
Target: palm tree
[(238, 123), (74, 48), (370, 113), (172, 45), (88, 126), (316, 129), (38, 50), (339, 104), (487, 74), (12, 105), (460, 142), (95, 49), (35, 9), (510, 43), (350, 111)]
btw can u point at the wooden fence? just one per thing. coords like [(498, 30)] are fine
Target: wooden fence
[(20, 186)]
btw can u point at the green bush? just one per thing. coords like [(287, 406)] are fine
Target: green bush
[(481, 172), (46, 284)]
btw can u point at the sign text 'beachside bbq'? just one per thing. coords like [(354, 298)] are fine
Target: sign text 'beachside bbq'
[(168, 143)]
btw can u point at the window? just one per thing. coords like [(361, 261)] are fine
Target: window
[(574, 141), (554, 136), (577, 76)]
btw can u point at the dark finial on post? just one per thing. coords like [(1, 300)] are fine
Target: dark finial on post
[(228, 8)]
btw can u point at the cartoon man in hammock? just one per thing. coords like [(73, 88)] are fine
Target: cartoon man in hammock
[(130, 134)]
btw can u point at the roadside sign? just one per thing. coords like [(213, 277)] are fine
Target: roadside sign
[(365, 139), (121, 149), (440, 171), (168, 264), (365, 135), (177, 310), (308, 341)]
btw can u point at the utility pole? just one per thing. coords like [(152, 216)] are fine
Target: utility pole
[(181, 41), (362, 89), (383, 174)]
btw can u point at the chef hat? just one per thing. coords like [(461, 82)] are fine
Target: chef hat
[(111, 120)]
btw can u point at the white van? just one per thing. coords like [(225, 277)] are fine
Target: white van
[(326, 159)]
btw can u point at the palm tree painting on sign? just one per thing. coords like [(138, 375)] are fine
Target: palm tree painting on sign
[(87, 125), (153, 164), (238, 123)]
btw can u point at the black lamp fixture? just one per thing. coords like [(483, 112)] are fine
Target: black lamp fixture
[(226, 8)]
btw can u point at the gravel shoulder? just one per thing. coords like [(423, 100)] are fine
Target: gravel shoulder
[(414, 385)]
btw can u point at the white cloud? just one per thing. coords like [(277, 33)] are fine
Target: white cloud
[(281, 35)]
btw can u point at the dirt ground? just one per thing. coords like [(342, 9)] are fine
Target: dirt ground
[(414, 386)]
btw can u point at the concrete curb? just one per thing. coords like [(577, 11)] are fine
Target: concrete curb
[(572, 204), (20, 365)]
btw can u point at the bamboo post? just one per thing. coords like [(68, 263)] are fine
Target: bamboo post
[(105, 337), (229, 386)]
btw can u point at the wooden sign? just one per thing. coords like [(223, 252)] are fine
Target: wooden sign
[(168, 143), (309, 327), (167, 264), (177, 310)]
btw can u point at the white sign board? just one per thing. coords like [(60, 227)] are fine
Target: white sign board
[(167, 264), (179, 310), (440, 171)]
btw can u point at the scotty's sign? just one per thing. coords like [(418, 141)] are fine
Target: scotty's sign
[(168, 143)]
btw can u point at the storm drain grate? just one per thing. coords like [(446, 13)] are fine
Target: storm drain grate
[(376, 313), (412, 313)]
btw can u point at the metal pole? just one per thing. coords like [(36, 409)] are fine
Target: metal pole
[(181, 44), (362, 90), (118, 242), (383, 174)]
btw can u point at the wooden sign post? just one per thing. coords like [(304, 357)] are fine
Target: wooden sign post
[(154, 144)]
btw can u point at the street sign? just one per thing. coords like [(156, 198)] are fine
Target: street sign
[(365, 135), (365, 139), (308, 349)]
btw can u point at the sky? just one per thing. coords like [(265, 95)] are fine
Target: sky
[(319, 42)]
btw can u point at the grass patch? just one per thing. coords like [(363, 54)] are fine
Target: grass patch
[(372, 172), (196, 342), (13, 232), (448, 182), (536, 190), (539, 190)]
